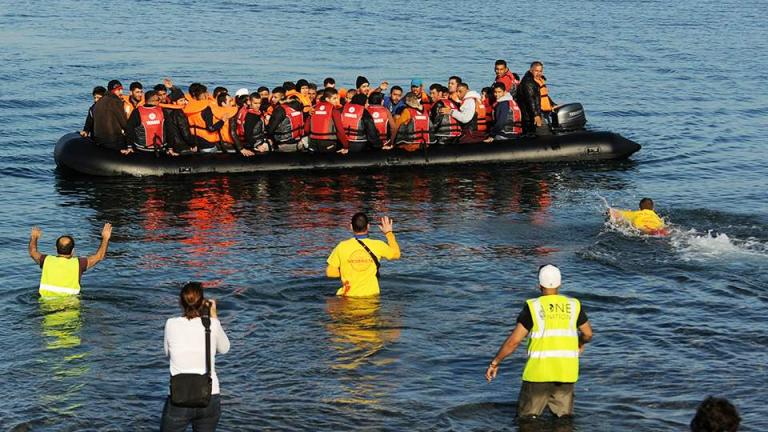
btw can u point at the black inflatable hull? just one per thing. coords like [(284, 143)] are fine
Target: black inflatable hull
[(81, 155)]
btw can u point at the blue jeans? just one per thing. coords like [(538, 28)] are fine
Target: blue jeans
[(176, 419)]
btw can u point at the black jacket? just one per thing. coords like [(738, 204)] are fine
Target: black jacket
[(176, 130), (88, 126), (109, 121), (253, 127), (528, 98), (278, 118), (371, 134)]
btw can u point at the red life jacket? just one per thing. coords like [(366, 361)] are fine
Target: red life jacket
[(152, 120), (240, 122), (514, 123), (352, 121), (446, 125), (416, 131), (242, 114), (321, 125), (296, 122), (381, 120)]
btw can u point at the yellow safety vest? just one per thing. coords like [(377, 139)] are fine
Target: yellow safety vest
[(61, 276), (553, 343)]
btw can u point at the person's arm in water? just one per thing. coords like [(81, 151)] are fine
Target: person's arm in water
[(386, 228), (106, 233), (33, 252), (618, 215), (508, 347)]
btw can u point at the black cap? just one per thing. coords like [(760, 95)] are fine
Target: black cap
[(113, 85), (360, 81), (176, 94)]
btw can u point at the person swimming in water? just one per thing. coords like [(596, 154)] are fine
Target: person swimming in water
[(645, 219)]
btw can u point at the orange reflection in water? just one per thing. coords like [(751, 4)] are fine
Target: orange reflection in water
[(211, 227)]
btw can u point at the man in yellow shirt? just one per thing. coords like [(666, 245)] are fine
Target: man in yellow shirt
[(645, 219), (61, 273), (356, 260)]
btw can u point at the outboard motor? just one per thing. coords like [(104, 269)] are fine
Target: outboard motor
[(568, 118)]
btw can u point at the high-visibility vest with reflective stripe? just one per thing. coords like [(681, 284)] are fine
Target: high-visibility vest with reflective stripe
[(61, 276), (553, 343)]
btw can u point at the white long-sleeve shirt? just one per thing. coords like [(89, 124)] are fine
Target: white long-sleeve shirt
[(185, 345), (467, 110)]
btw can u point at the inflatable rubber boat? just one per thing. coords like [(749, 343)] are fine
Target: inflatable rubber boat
[(571, 142), (81, 155)]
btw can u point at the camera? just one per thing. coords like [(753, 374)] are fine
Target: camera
[(205, 310)]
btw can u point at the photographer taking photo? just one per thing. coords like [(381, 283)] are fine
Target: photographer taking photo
[(194, 397)]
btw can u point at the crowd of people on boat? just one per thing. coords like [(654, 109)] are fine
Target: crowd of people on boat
[(300, 116)]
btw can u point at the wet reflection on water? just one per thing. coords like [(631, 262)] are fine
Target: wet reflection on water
[(61, 327), (359, 332)]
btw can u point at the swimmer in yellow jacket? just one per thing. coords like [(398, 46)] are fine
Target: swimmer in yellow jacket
[(645, 219)]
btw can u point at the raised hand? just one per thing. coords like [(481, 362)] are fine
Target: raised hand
[(386, 224), (36, 233), (106, 232)]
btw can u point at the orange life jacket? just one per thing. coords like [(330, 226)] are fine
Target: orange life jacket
[(193, 110), (128, 106), (479, 123), (546, 102), (304, 99), (225, 133)]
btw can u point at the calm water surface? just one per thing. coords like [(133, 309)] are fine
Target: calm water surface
[(675, 319)]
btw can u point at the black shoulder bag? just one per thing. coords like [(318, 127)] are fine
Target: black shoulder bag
[(375, 260), (194, 390)]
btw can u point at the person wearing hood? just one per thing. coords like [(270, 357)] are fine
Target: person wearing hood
[(109, 118), (507, 118), (471, 115), (413, 128)]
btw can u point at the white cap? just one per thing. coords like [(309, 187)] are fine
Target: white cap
[(242, 91), (549, 276)]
